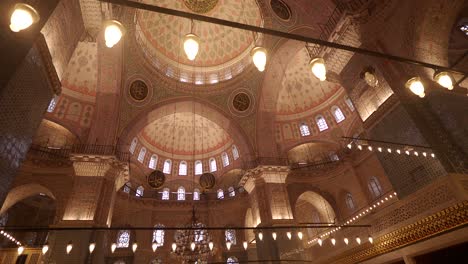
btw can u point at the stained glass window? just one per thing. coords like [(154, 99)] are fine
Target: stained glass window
[(123, 239)]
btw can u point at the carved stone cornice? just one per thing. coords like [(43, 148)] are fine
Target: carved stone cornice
[(52, 77), (445, 220), (266, 172), (98, 165)]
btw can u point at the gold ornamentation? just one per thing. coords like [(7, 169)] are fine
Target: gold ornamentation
[(442, 221), (201, 6)]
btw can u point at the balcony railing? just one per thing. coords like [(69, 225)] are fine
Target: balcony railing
[(47, 152)]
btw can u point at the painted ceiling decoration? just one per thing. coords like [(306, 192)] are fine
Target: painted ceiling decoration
[(185, 135), (80, 78), (224, 52), (300, 90), (200, 6)]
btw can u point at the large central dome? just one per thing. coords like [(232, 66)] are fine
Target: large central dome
[(224, 52)]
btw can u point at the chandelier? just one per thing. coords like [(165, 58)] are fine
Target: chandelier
[(192, 244)]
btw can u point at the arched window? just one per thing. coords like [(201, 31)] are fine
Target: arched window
[(374, 187), (141, 155), (183, 168), (225, 159), (133, 145), (198, 167), (235, 152), (153, 162), (196, 195), (232, 260), (127, 187), (165, 194), (123, 239), (350, 201), (304, 130), (181, 194), (52, 104), (167, 166), (334, 157), (213, 167), (158, 235), (230, 235), (231, 192), (321, 123), (220, 194), (349, 104), (338, 114), (139, 191)]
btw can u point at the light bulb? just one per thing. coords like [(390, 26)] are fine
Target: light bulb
[(371, 240), (113, 247), (191, 46), (245, 244), (69, 247), (369, 148), (91, 247), (320, 241), (379, 149), (424, 154), (228, 245), (113, 33), (211, 245), (192, 246), (134, 247), (300, 235), (359, 147), (407, 152), (273, 235), (23, 17), (398, 151), (444, 79), (20, 250), (370, 79), (350, 146), (259, 57), (154, 246), (358, 240), (260, 236), (174, 247), (346, 241), (317, 66), (416, 153), (45, 248), (288, 234), (433, 155), (416, 86), (333, 241)]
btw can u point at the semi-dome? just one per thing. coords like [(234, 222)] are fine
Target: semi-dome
[(224, 52)]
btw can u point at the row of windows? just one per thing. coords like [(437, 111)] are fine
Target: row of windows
[(321, 122), (181, 194), (374, 188), (183, 166), (123, 237)]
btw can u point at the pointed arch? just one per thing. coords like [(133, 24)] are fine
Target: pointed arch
[(198, 167), (183, 168), (338, 114), (153, 162), (167, 168), (133, 145), (181, 193)]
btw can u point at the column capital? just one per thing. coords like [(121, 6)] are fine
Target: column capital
[(99, 166), (266, 174)]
